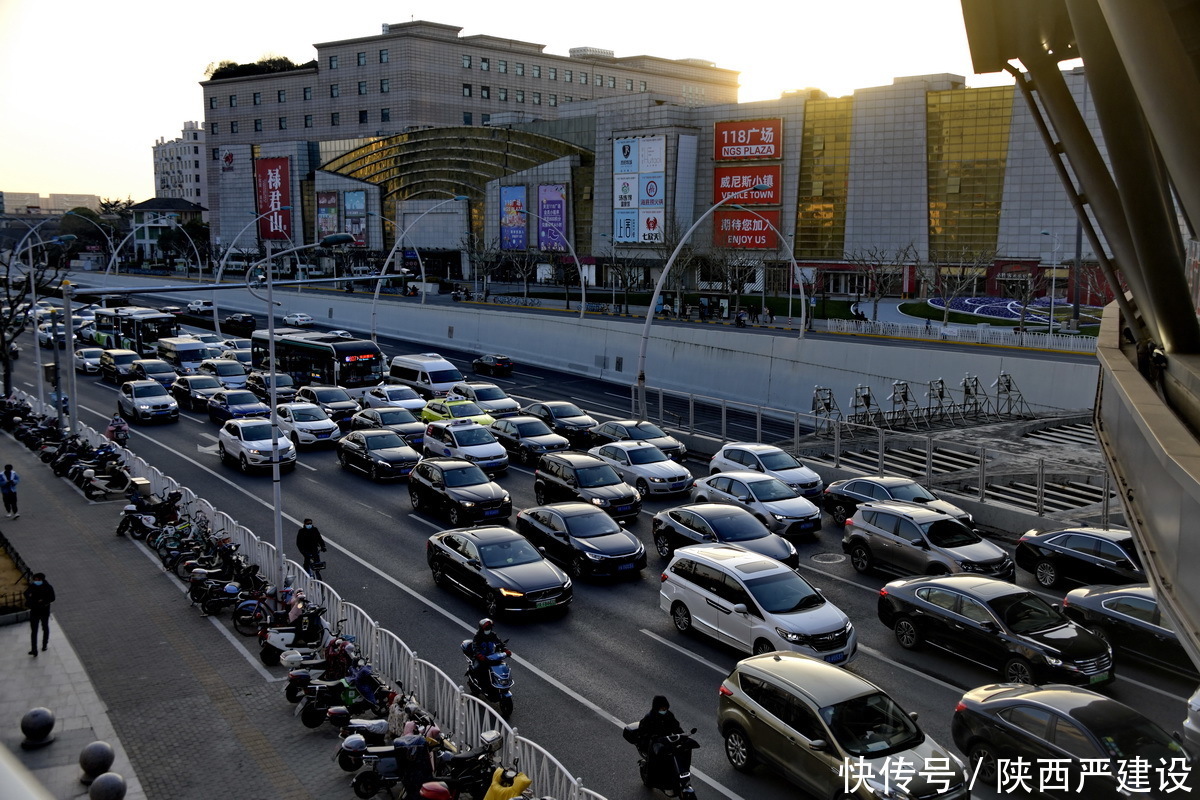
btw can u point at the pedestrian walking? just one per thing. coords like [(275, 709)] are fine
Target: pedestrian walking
[(38, 598), (8, 490), (754, 315), (770, 314), (310, 543)]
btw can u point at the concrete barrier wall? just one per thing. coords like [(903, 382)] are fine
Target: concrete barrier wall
[(775, 371)]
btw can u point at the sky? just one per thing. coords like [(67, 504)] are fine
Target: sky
[(87, 88)]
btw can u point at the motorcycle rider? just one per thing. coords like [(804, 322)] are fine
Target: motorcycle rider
[(658, 722), (117, 430), (484, 643)]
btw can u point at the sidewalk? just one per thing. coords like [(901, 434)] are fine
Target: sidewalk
[(188, 709)]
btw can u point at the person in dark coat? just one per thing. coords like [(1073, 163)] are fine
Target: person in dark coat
[(8, 490), (38, 598), (309, 543), (658, 722)]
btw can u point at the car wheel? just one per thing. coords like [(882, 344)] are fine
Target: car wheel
[(714, 471), (577, 568), (341, 459), (840, 514), (907, 634), (456, 516), (526, 456), (221, 452), (700, 499), (763, 646), (1046, 573), (983, 762), (1099, 632), (681, 617), (937, 570), (243, 463), (860, 557), (295, 440), (1018, 670), (662, 545), (539, 494), (439, 574), (738, 749), (491, 605), (414, 497), (642, 487)]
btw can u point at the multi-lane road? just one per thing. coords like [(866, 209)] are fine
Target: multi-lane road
[(581, 676)]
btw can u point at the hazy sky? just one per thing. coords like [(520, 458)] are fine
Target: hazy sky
[(86, 87)]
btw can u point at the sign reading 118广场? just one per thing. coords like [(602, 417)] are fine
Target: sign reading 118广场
[(748, 139)]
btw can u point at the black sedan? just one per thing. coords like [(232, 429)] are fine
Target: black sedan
[(239, 324), (458, 488), (1074, 728), (194, 391), (493, 364), (996, 624), (1130, 619), (400, 420), (706, 523), (380, 454), (1085, 555), (235, 404), (260, 384), (499, 567), (632, 430), (583, 538), (565, 419)]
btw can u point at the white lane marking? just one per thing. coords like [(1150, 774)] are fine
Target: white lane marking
[(194, 419), (685, 652), (204, 435), (300, 463), (891, 662)]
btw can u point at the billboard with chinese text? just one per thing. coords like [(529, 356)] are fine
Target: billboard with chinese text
[(512, 218), (748, 230), (728, 181), (355, 205), (639, 189), (748, 139), (272, 190), (552, 216), (327, 214)]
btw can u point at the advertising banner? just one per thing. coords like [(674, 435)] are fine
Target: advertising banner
[(552, 216), (652, 154), (512, 220), (355, 205), (650, 227), (728, 181), (327, 214), (272, 189), (748, 139), (625, 155), (625, 226), (625, 189), (745, 230), (650, 190)]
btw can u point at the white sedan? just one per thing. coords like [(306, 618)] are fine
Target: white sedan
[(298, 318), (307, 423), (87, 360), (643, 465), (393, 397), (341, 333), (248, 442)]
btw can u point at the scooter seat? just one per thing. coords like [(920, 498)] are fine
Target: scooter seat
[(375, 726)]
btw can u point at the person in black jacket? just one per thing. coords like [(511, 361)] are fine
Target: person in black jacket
[(309, 543), (658, 722), (38, 598)]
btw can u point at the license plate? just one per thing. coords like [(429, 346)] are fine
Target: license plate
[(679, 485), (624, 508), (546, 603), (630, 565), (1103, 676), (323, 435), (491, 512), (836, 658)]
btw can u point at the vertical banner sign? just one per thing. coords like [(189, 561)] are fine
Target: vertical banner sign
[(355, 205), (639, 189), (327, 214), (552, 216), (748, 139), (652, 154), (512, 220), (272, 185), (625, 156), (745, 229)]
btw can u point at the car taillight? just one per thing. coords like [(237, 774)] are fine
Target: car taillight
[(961, 706), (725, 691), (663, 578), (883, 592)]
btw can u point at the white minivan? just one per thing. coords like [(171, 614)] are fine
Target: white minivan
[(428, 373)]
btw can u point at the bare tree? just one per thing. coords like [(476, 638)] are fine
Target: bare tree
[(524, 264), (1030, 284), (49, 265), (627, 268), (882, 268), (954, 273), (736, 269), (685, 263), (484, 255)]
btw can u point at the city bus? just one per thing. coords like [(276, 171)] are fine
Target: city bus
[(133, 328), (315, 357)]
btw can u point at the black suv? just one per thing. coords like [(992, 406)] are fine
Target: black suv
[(240, 324), (339, 405), (459, 489), (260, 384), (570, 475)]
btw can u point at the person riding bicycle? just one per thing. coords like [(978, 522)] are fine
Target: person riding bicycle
[(117, 430), (484, 643), (308, 542)]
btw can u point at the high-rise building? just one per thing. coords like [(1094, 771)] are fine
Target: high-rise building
[(180, 170)]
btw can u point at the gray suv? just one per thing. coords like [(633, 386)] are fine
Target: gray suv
[(810, 719)]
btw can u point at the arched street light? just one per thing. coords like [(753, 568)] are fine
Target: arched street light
[(277, 493), (1053, 278), (31, 274), (174, 225), (578, 265), (658, 285), (224, 258), (95, 224), (794, 268)]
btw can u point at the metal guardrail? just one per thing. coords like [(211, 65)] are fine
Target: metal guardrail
[(981, 334)]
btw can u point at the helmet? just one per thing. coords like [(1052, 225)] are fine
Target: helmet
[(486, 624)]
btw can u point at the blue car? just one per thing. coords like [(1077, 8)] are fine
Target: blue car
[(236, 404)]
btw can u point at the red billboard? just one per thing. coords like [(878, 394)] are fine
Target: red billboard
[(746, 230), (748, 139), (729, 181), (272, 188)]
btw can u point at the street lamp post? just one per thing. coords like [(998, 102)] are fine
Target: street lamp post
[(31, 274), (174, 225), (662, 279), (1053, 278), (97, 225), (794, 270), (578, 265), (276, 489)]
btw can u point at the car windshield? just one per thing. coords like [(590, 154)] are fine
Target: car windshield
[(646, 455), (465, 476), (201, 353), (157, 390), (89, 352), (586, 526), (949, 533), (644, 430), (778, 460), (783, 593), (533, 428), (1026, 613), (229, 369), (912, 492), (872, 726), (401, 393), (591, 477), (736, 527), (474, 436), (396, 416), (464, 409), (126, 358), (565, 410), (281, 379), (490, 393), (1127, 735), (205, 382), (445, 376), (240, 398), (313, 414), (156, 368), (508, 554), (256, 433), (772, 489), (383, 441), (331, 395)]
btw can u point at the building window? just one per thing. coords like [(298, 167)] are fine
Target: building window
[(568, 76), (503, 97), (583, 77), (281, 96), (283, 123), (599, 79), (467, 118), (308, 93), (362, 59), (233, 101), (466, 62), (258, 124), (537, 70), (612, 82), (568, 99), (335, 90), (233, 126), (362, 117), (553, 74), (195, 148), (484, 119), (385, 85), (333, 62), (642, 86), (216, 153), (501, 66), (519, 68), (257, 100), (362, 87), (485, 92), (212, 102), (537, 98), (466, 90), (385, 115), (629, 84), (212, 128), (552, 100), (485, 64), (383, 56), (335, 118), (308, 120), (520, 96)]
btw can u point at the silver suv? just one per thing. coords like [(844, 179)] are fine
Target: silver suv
[(913, 540), (810, 719)]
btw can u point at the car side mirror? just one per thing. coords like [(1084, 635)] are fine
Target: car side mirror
[(918, 542), (818, 744), (990, 626), (1123, 563), (437, 484), (1056, 606), (739, 608), (743, 498), (542, 550), (694, 730), (572, 482), (912, 715)]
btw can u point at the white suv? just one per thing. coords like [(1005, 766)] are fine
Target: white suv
[(467, 440), (248, 442), (488, 396), (769, 460), (393, 396), (307, 423), (753, 603)]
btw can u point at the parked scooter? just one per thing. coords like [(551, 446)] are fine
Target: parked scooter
[(469, 773), (332, 664), (665, 762), (360, 691), (403, 719), (308, 634), (498, 689)]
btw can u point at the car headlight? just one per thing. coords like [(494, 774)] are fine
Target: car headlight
[(779, 517), (144, 406), (467, 504), (599, 501), (658, 480), (594, 556), (567, 583), (1052, 661), (506, 498), (511, 593), (792, 636), (889, 791), (382, 462), (791, 547)]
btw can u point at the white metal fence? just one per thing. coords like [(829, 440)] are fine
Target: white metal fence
[(981, 334)]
